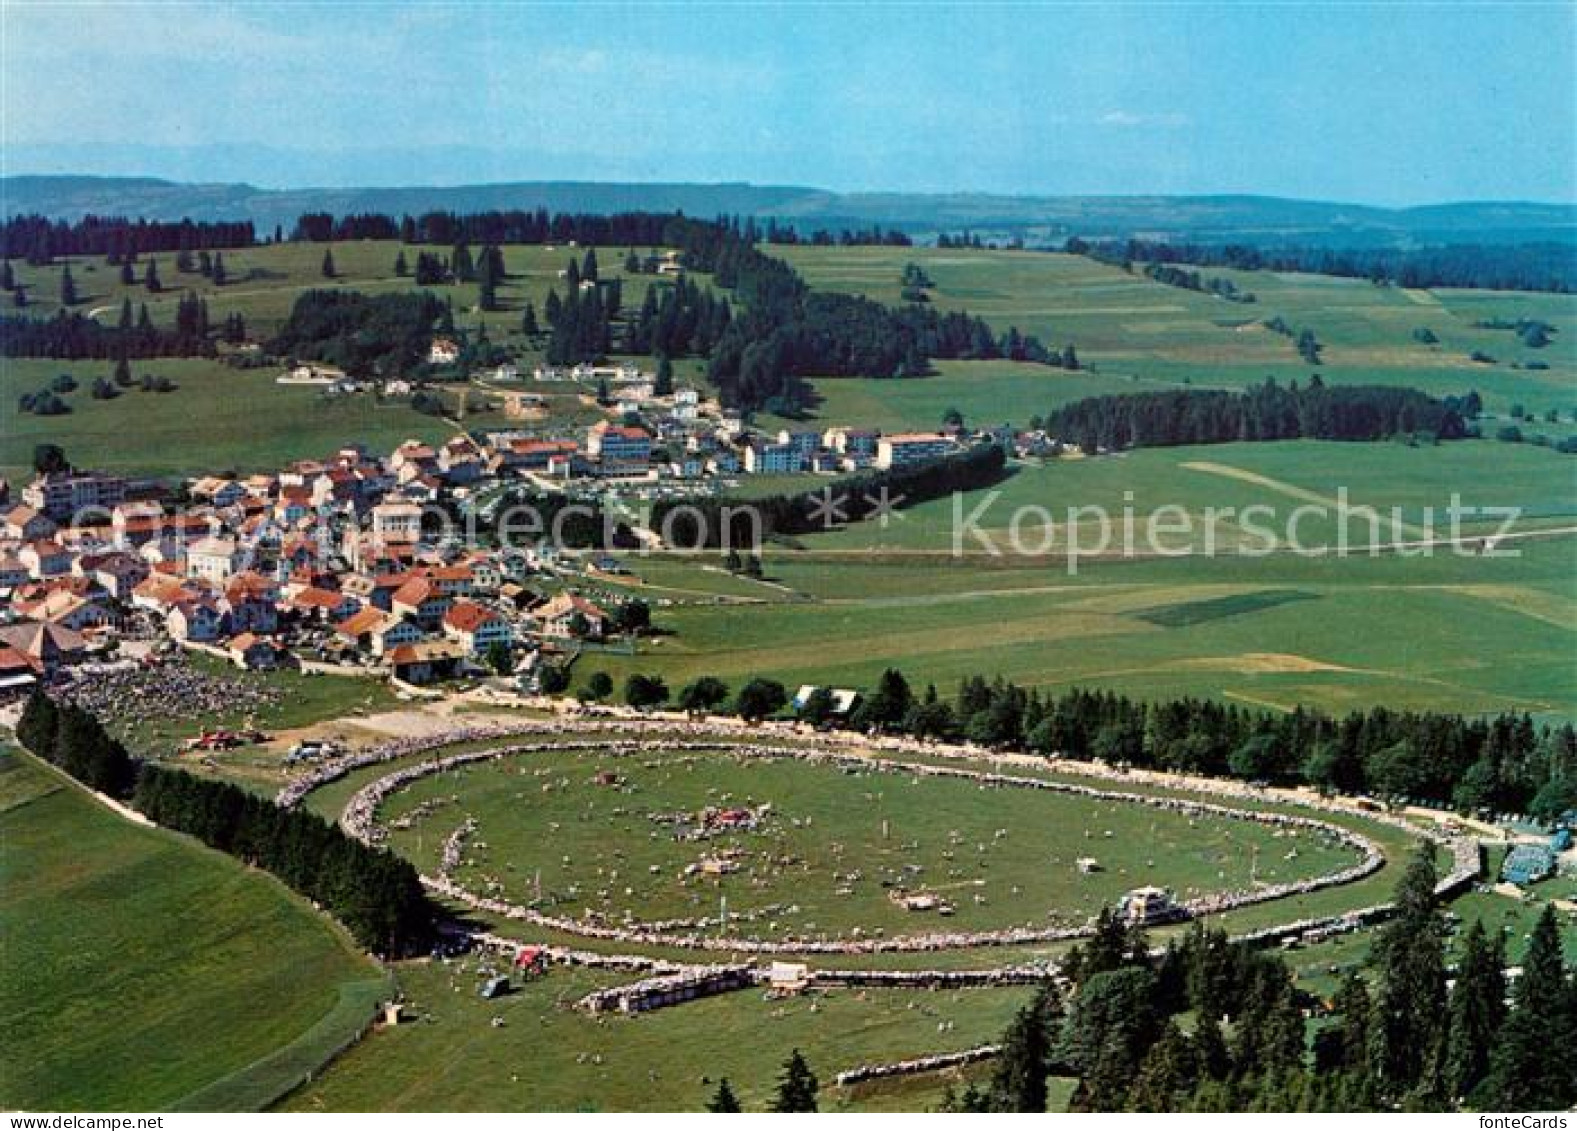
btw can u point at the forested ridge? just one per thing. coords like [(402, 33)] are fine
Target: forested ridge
[(1314, 411), (1536, 266)]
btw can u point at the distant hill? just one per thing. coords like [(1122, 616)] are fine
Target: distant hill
[(1249, 219)]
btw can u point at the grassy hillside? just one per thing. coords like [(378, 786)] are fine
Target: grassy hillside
[(140, 967), (1129, 327)]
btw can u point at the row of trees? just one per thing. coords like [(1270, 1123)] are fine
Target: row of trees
[(1532, 266), (732, 523), (515, 226), (73, 336), (755, 700), (1499, 765), (1187, 280), (1261, 412), (39, 240), (377, 895), (1393, 1037)]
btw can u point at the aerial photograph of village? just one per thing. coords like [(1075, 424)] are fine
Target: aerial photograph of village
[(787, 557)]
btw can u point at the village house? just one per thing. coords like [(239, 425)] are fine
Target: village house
[(46, 558), (423, 601), (13, 572), (214, 559), (443, 351), (561, 616), (74, 610), (254, 653), (18, 676), (477, 627), (26, 524), (117, 571), (251, 603), (198, 621), (426, 661), (773, 459), (323, 606), (216, 491), (372, 630)]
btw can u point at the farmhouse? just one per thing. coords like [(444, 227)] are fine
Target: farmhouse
[(254, 653), (376, 631), (559, 616), (426, 661)]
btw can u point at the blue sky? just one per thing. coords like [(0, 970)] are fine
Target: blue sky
[(1384, 103)]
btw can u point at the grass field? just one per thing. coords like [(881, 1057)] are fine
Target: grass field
[(264, 282), (139, 968), (833, 846), (217, 419), (547, 1057), (1447, 632), (1130, 327)]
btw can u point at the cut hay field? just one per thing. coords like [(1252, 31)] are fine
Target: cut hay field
[(140, 968), (828, 857), (1130, 328)]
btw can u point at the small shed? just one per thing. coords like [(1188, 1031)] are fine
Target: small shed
[(788, 977)]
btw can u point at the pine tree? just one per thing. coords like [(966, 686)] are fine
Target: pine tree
[(68, 287), (664, 385), (127, 276), (328, 264), (218, 275), (797, 1087), (150, 277), (1019, 1080), (1167, 1071), (401, 267), (528, 321), (7, 276), (723, 1100), (1411, 1000), (1534, 1065), (1476, 1013)]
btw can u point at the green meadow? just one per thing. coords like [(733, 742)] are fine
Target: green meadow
[(216, 419), (832, 848), (1135, 331), (141, 968), (546, 1056), (262, 283)]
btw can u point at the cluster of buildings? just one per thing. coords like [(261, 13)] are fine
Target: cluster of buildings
[(324, 561), (327, 560)]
